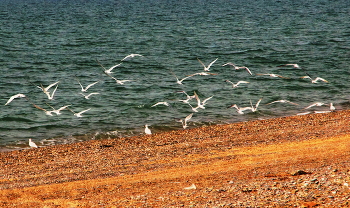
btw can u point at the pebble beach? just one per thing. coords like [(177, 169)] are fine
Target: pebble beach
[(296, 161)]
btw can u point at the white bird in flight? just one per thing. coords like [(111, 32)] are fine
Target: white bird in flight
[(50, 97), (131, 56), (79, 115), (58, 111), (236, 85), (32, 144), (87, 87), (180, 81), (240, 110), (188, 97), (199, 103), (108, 71), (273, 75), (315, 104), (282, 101), (206, 68), (14, 97), (161, 103), (238, 67), (254, 109), (314, 80), (46, 89), (49, 113), (88, 96), (184, 122), (293, 65), (147, 130)]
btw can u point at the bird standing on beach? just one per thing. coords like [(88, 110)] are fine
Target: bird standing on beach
[(32, 144), (147, 130)]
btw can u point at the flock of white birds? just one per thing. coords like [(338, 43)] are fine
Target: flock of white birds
[(200, 103)]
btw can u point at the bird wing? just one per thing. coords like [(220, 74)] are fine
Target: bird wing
[(211, 63), (90, 85), (201, 63), (204, 101), (229, 63), (246, 68), (188, 117), (51, 85)]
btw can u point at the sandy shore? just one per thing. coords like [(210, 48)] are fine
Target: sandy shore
[(299, 161)]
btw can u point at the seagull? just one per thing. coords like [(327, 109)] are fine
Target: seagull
[(293, 65), (331, 107), (52, 94), (202, 74), (49, 113), (191, 187), (235, 85), (147, 130), (108, 71), (79, 114), (130, 56), (87, 96), (58, 110), (256, 105), (240, 110), (274, 75), (121, 82), (14, 97), (45, 89), (193, 109), (238, 67), (180, 81), (282, 101), (199, 103), (206, 68), (32, 144), (87, 87), (315, 104), (314, 80), (184, 122), (161, 103), (188, 97)]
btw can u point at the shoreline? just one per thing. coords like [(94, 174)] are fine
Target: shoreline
[(240, 159), (111, 134)]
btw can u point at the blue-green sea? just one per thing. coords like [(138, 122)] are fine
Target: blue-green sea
[(46, 41)]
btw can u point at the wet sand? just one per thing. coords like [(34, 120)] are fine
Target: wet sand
[(301, 161)]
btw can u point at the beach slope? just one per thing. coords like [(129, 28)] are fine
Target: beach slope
[(301, 161)]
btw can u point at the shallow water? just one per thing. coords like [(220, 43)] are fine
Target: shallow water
[(47, 41)]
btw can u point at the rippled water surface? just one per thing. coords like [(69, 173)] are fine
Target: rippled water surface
[(45, 41)]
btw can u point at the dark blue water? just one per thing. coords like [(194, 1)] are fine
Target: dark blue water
[(44, 41)]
